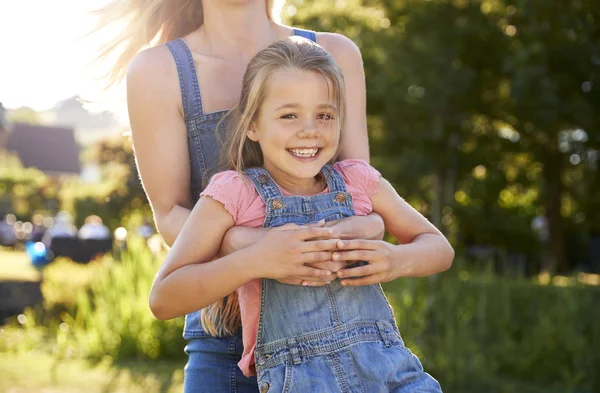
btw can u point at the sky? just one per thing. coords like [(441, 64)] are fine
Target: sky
[(42, 57)]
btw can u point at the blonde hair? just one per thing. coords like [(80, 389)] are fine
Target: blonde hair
[(151, 22), (240, 152)]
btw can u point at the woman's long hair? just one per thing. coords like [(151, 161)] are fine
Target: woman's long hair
[(143, 23), (240, 152)]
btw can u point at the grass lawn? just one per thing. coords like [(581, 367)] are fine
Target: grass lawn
[(15, 265), (22, 373)]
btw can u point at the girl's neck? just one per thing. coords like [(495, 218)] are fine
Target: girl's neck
[(304, 187), (237, 31)]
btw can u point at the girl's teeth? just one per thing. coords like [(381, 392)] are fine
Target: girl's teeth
[(304, 152)]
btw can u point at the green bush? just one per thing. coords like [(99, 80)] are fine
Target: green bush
[(114, 318), (474, 330)]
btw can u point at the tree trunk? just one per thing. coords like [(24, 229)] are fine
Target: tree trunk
[(440, 175), (556, 247)]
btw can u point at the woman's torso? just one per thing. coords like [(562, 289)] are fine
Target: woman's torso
[(203, 144)]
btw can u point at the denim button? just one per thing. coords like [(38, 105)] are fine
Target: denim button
[(264, 388), (340, 197), (277, 203)]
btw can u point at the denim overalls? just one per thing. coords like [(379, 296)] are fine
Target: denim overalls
[(331, 338), (212, 364)]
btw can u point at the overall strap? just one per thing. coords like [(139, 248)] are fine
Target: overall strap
[(306, 34), (188, 80), (263, 183), (335, 180)]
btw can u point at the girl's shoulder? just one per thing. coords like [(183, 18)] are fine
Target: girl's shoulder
[(233, 189), (359, 175)]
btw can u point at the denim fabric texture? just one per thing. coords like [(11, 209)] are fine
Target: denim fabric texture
[(330, 338)]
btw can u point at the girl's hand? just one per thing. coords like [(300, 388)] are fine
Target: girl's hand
[(355, 227), (380, 255), (286, 252)]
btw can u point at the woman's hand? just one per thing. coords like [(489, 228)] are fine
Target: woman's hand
[(290, 253), (358, 227)]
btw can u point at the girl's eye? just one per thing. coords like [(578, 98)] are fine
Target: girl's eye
[(289, 116), (325, 116)]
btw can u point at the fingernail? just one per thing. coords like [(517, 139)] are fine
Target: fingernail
[(341, 244), (343, 283), (304, 284), (340, 273), (335, 256)]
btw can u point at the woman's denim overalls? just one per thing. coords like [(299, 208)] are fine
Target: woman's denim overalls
[(212, 364), (331, 338)]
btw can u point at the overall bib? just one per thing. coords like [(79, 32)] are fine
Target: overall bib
[(331, 338)]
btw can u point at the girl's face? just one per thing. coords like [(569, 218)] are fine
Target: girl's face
[(297, 126)]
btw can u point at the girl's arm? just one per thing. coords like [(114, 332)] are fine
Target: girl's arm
[(189, 279), (422, 251)]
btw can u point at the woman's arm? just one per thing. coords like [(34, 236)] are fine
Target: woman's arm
[(160, 138), (358, 227), (189, 279), (422, 251), (355, 143)]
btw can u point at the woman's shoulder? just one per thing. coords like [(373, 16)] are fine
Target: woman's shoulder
[(342, 48), (150, 63)]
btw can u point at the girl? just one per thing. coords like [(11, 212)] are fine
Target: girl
[(177, 92), (285, 136)]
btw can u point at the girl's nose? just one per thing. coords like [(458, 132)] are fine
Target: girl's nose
[(309, 130)]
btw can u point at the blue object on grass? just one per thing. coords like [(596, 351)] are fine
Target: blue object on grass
[(38, 254)]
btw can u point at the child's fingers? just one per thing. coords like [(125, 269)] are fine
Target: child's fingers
[(317, 224), (313, 257), (362, 281), (312, 280), (308, 233), (354, 255), (313, 274), (360, 271), (332, 266), (319, 245), (314, 283), (358, 244)]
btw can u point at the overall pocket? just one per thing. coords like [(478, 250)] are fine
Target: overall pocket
[(277, 379)]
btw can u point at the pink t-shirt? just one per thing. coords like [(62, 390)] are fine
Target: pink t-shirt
[(245, 205)]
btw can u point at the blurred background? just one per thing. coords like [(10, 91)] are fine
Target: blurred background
[(483, 113)]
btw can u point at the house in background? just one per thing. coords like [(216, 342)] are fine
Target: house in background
[(52, 150)]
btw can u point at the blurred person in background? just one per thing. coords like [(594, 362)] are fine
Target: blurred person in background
[(62, 228), (8, 238), (38, 229), (177, 92), (93, 228)]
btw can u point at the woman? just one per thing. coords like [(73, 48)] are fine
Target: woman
[(177, 93)]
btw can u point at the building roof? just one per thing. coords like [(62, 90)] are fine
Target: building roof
[(53, 150)]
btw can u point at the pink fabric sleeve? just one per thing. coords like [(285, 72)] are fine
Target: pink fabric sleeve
[(360, 175), (232, 190)]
